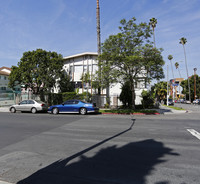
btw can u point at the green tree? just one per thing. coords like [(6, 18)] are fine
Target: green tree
[(170, 57), (152, 23), (183, 41), (38, 70), (160, 90), (14, 77), (129, 56), (184, 85), (147, 100), (126, 95), (86, 79), (64, 83)]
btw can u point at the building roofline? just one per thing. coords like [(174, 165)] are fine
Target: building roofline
[(81, 54), (5, 68), (4, 73)]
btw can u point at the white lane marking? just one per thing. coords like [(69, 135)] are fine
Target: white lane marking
[(194, 133)]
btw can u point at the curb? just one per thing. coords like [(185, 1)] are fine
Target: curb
[(4, 109)]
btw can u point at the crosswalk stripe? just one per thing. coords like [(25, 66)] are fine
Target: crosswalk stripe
[(194, 133)]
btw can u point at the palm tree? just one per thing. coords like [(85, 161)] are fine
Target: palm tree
[(152, 23), (183, 41), (170, 57), (177, 67)]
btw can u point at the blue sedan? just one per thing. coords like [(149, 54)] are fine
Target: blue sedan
[(73, 106)]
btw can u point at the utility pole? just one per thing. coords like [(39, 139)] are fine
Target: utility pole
[(195, 69)]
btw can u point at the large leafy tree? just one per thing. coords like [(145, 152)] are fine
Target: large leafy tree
[(130, 56), (38, 70)]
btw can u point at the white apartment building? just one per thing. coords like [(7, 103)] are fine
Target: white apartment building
[(4, 74), (79, 64), (4, 79)]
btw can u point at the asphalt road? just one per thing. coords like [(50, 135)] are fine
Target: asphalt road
[(99, 149)]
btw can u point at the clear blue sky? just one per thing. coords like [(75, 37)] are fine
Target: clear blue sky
[(69, 27)]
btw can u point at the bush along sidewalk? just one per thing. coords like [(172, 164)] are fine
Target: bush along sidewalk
[(128, 111)]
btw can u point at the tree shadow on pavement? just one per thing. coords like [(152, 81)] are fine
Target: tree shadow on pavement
[(131, 163)]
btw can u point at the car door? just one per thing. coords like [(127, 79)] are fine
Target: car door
[(30, 104), (22, 105), (68, 106)]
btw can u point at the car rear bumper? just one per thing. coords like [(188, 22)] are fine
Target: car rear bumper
[(96, 110)]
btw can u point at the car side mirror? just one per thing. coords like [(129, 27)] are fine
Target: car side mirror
[(63, 104), (18, 103)]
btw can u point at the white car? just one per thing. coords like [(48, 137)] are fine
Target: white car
[(197, 101), (29, 105)]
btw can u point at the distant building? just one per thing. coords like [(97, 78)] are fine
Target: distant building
[(177, 88), (4, 74), (79, 64)]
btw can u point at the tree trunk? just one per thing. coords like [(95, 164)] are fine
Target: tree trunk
[(133, 94)]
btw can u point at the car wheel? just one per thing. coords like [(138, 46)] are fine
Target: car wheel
[(33, 110), (55, 111), (83, 111), (13, 110)]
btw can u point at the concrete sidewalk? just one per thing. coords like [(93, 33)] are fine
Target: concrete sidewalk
[(4, 182), (167, 110), (4, 109)]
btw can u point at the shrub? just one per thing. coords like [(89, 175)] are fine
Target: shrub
[(147, 101)]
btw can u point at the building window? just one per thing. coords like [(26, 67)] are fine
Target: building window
[(5, 78), (3, 88), (85, 69)]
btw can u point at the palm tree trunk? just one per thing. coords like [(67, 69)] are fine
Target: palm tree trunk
[(98, 41), (172, 69), (154, 40)]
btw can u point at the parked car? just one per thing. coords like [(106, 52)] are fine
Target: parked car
[(29, 105), (170, 102), (73, 106), (187, 102), (197, 101)]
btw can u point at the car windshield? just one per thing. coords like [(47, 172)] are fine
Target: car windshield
[(83, 101), (38, 101)]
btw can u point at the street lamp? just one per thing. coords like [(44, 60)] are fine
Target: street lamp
[(195, 69)]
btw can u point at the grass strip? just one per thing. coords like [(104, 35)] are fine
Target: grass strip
[(176, 108)]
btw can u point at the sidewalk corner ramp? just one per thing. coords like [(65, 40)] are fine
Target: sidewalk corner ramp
[(4, 182)]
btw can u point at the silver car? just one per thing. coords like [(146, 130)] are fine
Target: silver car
[(29, 105)]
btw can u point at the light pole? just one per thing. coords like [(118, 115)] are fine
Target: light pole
[(195, 69), (167, 88)]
